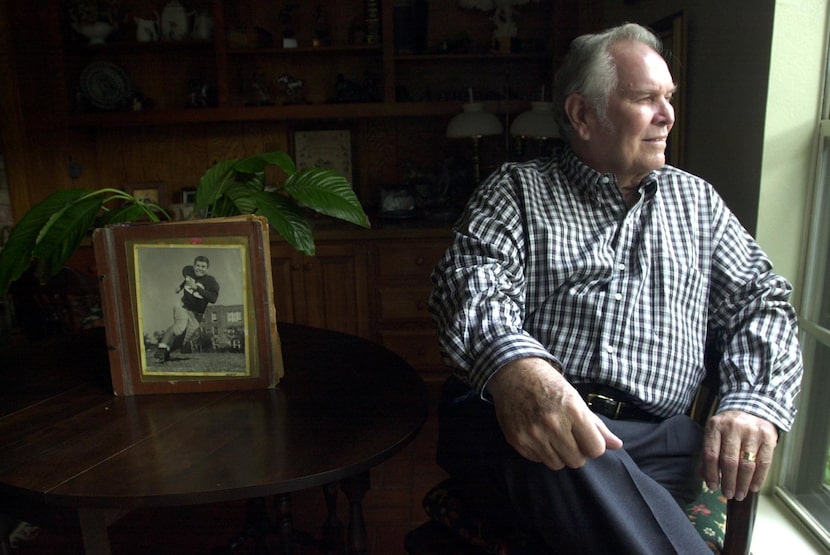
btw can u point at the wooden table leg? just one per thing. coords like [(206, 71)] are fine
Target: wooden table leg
[(355, 488), (94, 524), (332, 530), (285, 522)]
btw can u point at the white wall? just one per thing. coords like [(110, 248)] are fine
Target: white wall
[(790, 128)]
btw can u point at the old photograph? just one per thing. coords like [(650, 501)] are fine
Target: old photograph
[(191, 309)]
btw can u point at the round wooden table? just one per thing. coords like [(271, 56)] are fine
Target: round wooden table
[(344, 405)]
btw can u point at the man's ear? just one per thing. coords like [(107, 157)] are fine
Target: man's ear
[(576, 110)]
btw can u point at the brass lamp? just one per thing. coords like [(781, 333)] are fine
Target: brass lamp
[(474, 123), (538, 124)]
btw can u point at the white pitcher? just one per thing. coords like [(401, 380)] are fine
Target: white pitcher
[(175, 21)]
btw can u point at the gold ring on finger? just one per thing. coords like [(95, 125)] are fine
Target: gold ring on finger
[(748, 456)]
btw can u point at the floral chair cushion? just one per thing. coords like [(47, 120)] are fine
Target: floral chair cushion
[(444, 504)]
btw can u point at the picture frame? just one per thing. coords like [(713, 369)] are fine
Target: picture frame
[(198, 291), (324, 148), (151, 191), (188, 195)]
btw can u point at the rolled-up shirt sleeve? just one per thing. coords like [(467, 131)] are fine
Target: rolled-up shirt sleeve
[(756, 330), (478, 298)]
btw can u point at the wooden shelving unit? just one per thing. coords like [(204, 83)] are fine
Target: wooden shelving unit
[(432, 83)]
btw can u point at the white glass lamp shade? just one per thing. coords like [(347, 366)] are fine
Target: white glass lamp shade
[(536, 123), (473, 122)]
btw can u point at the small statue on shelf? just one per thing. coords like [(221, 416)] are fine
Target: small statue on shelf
[(200, 94), (506, 30), (291, 89)]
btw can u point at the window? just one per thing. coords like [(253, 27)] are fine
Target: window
[(805, 478)]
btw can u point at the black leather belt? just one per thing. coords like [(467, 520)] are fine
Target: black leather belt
[(612, 403)]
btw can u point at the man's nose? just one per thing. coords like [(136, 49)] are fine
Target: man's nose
[(665, 113)]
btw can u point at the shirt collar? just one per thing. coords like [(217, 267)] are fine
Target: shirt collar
[(590, 183)]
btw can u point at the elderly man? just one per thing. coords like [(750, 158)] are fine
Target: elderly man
[(576, 303)]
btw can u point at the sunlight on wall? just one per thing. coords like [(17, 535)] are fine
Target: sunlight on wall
[(793, 109)]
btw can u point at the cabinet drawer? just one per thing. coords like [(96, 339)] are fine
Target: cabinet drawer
[(403, 303), (409, 260), (419, 347)]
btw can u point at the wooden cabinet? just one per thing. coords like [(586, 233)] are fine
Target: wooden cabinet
[(375, 285), (328, 290), (401, 320)]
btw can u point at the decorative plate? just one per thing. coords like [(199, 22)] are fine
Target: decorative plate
[(105, 85)]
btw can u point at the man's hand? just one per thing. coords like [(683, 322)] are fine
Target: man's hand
[(737, 452), (544, 418)]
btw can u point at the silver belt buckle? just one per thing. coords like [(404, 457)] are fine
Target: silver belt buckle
[(591, 397)]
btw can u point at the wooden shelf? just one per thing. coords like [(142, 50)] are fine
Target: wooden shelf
[(358, 49), (227, 68), (135, 47), (260, 113), (473, 57), (152, 117)]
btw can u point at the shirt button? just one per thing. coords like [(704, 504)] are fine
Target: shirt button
[(618, 296), (609, 348), (604, 179), (621, 267)]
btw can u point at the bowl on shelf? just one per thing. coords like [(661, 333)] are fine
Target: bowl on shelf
[(97, 32)]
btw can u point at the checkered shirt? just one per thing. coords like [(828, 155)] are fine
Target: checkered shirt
[(547, 261)]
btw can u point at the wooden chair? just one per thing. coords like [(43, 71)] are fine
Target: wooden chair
[(457, 529)]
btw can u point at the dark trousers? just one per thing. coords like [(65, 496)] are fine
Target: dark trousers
[(626, 501)]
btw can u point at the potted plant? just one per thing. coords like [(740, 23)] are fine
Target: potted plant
[(50, 232)]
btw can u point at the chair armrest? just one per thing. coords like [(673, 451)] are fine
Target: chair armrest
[(740, 520)]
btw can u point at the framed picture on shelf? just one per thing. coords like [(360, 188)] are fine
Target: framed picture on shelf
[(189, 306), (324, 148), (188, 195), (153, 191)]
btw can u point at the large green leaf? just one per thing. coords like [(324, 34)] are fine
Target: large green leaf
[(287, 219), (128, 212), (327, 192), (258, 162), (213, 182), (223, 207), (244, 198), (64, 233), (17, 253)]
